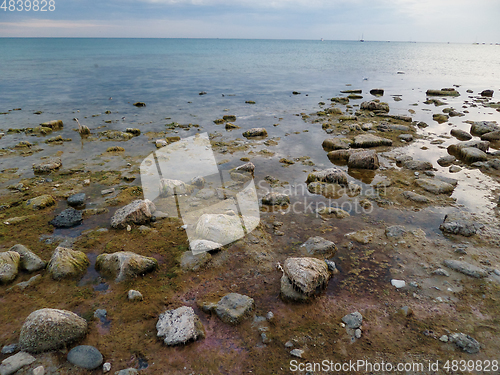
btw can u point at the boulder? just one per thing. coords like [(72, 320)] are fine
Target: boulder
[(198, 246), (319, 246), (190, 261), (491, 136), (375, 106), (76, 200), (14, 363), (47, 166), (472, 154), (363, 160), (487, 93), (85, 356), (234, 307), (9, 266), (339, 155), (49, 329), (125, 265), (67, 218), (306, 274), (483, 127), (370, 140), (179, 326), (440, 118), (331, 175), (435, 186), (40, 202), (222, 228), (255, 132), (331, 144), (466, 268), (30, 262), (461, 135), (67, 263), (446, 161), (137, 212), (275, 199), (134, 295)]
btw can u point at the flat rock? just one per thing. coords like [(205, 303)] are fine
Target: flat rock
[(331, 144), (288, 292), (13, 363), (40, 202), (460, 223), (19, 287), (222, 228), (137, 212), (363, 160), (29, 262), (76, 200), (9, 266), (395, 231), (255, 132), (412, 196), (319, 246), (417, 165), (361, 236), (465, 268), (66, 263), (441, 272), (353, 320), (47, 166), (274, 198), (49, 329), (331, 175), (306, 274), (465, 342), (443, 92), (125, 265), (370, 140), (483, 127), (461, 135), (67, 218), (85, 356), (234, 307), (193, 262), (406, 137), (198, 246), (435, 186), (179, 326)]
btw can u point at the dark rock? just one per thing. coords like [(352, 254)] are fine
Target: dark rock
[(10, 349), (67, 218), (460, 134), (487, 93), (443, 92), (440, 118), (483, 127), (140, 104), (377, 92), (446, 161), (460, 223), (491, 136), (363, 160), (331, 144), (76, 199), (85, 356)]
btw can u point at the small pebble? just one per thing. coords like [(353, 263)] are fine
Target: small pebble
[(297, 353), (443, 338), (357, 333), (106, 367), (398, 283), (40, 370), (288, 344), (270, 316)]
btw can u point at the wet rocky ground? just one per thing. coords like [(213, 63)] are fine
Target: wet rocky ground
[(402, 205)]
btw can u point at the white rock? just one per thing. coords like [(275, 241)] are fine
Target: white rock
[(106, 367), (134, 295), (398, 283), (179, 326)]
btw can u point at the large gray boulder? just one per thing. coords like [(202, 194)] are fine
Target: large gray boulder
[(30, 262), (319, 246), (234, 307), (306, 274), (125, 265), (66, 263), (179, 326), (137, 212), (50, 329), (9, 266)]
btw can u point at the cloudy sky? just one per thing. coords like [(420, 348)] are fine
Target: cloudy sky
[(463, 21)]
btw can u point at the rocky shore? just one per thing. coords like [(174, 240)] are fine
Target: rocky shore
[(377, 239)]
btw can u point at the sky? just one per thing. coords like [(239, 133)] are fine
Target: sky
[(455, 21)]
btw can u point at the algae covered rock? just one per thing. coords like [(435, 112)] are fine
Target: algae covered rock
[(332, 144), (54, 124), (49, 329), (255, 132), (331, 175), (125, 265), (47, 166), (29, 261), (275, 199), (66, 263), (375, 106), (234, 307), (179, 326), (306, 274), (9, 266), (137, 212), (40, 202)]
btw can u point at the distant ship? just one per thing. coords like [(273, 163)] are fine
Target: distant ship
[(361, 40)]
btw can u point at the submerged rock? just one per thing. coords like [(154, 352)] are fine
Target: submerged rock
[(466, 268), (435, 186), (40, 202), (306, 274), (125, 265), (363, 160), (173, 187), (370, 140), (67, 218), (49, 329), (395, 231), (440, 118), (319, 246), (333, 211), (54, 124), (9, 265), (234, 307), (179, 326), (29, 262), (443, 92), (67, 263), (410, 195), (137, 212)]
